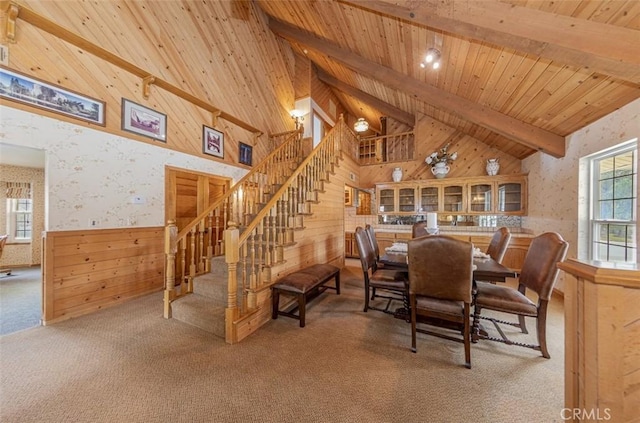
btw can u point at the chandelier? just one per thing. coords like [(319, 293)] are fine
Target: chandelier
[(432, 58), (361, 125)]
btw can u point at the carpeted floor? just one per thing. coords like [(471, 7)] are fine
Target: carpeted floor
[(20, 299), (128, 364)]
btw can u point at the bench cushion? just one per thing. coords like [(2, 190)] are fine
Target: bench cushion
[(297, 282), (322, 271)]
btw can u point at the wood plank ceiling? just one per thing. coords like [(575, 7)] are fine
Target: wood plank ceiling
[(518, 75)]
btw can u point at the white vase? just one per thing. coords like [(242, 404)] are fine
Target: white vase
[(396, 174), (493, 166), (440, 170)]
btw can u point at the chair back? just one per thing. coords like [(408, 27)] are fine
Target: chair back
[(3, 241), (373, 240), (499, 244), (419, 229), (441, 267), (539, 269), (365, 250)]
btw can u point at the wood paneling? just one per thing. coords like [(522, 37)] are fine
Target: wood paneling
[(203, 49), (85, 271)]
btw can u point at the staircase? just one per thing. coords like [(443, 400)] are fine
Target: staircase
[(219, 267)]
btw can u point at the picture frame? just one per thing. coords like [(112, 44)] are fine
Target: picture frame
[(24, 89), (212, 142), (245, 153), (141, 120)]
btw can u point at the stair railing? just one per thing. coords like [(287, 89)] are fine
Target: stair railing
[(188, 252), (252, 253)]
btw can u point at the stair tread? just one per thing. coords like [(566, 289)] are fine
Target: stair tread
[(201, 312)]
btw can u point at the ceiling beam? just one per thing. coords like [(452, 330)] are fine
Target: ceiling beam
[(518, 131), (384, 107), (607, 49)]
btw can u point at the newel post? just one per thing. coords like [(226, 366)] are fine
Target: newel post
[(170, 249), (232, 257)]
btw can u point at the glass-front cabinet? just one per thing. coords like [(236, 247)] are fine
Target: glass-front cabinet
[(487, 195)]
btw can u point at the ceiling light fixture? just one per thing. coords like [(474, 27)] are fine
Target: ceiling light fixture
[(432, 58), (361, 125)]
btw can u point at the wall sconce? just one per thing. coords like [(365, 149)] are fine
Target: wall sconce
[(297, 116), (432, 59), (361, 125)]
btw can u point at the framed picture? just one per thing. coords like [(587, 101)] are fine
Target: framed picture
[(245, 153), (143, 121), (212, 142), (43, 95)]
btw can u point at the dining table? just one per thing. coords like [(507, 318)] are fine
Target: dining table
[(485, 268)]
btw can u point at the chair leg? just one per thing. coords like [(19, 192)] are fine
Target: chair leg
[(467, 337), (523, 325), (412, 301), (542, 328), (366, 295)]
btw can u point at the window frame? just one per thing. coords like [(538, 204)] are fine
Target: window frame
[(12, 220), (595, 221)]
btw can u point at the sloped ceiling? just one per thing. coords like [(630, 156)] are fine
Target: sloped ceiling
[(518, 75)]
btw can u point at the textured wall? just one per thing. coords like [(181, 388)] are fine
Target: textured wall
[(23, 254), (555, 197), (91, 174)]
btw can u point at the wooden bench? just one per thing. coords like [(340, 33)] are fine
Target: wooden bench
[(304, 284)]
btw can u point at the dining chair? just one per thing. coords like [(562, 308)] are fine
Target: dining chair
[(539, 274), (392, 282), (440, 280), (376, 249), (419, 229), (3, 243), (499, 244)]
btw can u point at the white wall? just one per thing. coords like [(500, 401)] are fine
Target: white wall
[(554, 194), (90, 174)]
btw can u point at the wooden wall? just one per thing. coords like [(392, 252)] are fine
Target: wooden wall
[(431, 135), (85, 271), (220, 52)]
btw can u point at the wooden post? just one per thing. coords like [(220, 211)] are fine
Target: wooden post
[(232, 256), (170, 249)]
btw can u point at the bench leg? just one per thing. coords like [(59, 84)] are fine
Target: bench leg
[(338, 283), (275, 303), (302, 306)]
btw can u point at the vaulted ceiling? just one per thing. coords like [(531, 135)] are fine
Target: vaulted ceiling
[(518, 75)]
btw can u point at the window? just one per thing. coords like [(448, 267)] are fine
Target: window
[(614, 187), (19, 212)]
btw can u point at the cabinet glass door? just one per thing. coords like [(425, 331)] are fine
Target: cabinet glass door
[(453, 198), (387, 203), (429, 199), (509, 197), (480, 198), (407, 200)]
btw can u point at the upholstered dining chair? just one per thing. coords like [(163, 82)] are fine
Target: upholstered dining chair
[(376, 249), (391, 282), (3, 242), (419, 229), (539, 274), (499, 244), (440, 280)]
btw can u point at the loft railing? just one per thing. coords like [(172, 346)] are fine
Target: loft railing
[(386, 148), (252, 253), (189, 252)]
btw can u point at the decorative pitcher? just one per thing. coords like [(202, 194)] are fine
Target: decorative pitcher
[(396, 174), (493, 166), (440, 170)]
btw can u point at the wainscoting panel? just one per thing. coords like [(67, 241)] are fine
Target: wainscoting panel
[(87, 270)]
